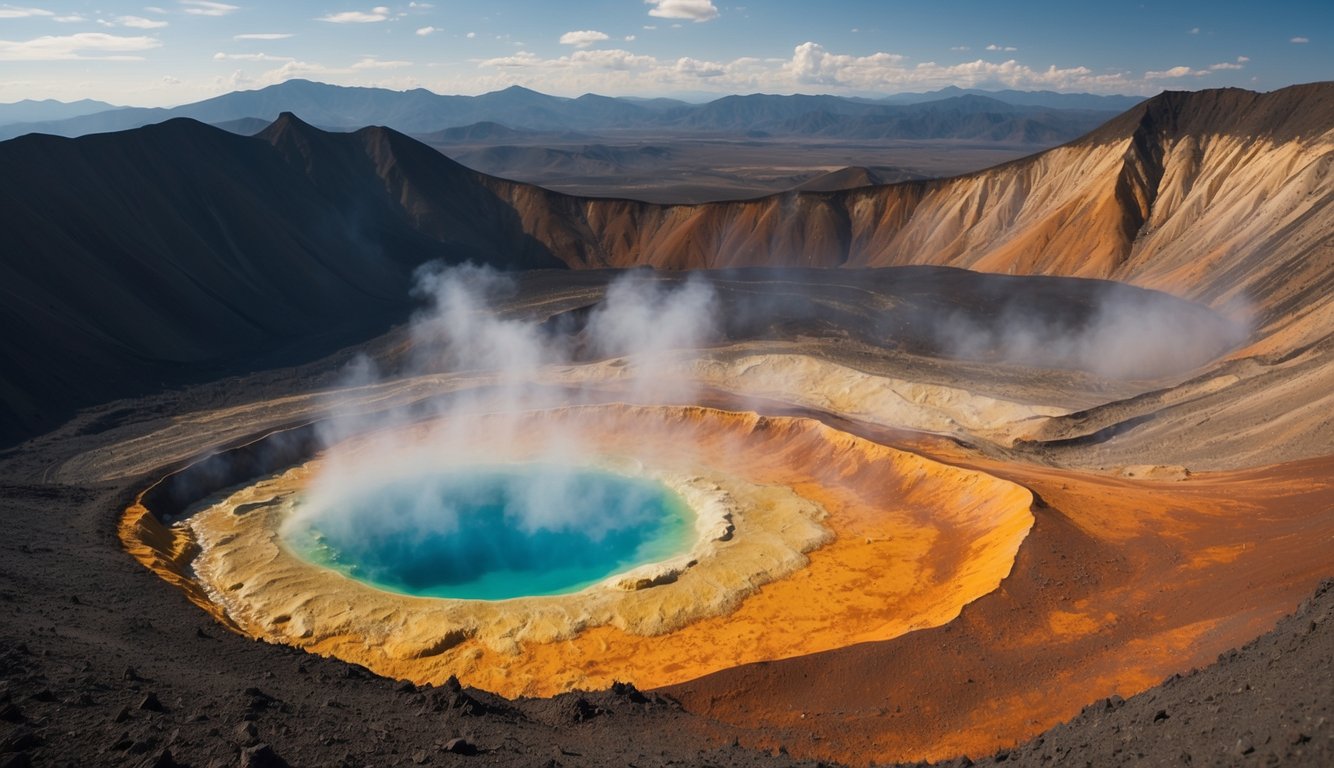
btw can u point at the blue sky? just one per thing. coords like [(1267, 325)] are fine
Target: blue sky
[(170, 52)]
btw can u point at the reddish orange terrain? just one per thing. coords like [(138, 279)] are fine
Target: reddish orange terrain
[(1120, 584)]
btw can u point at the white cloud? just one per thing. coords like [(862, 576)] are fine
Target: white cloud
[(811, 68), (694, 10), (249, 57), (84, 45), (362, 72), (139, 22), (422, 6), (378, 13), (1174, 72), (370, 62), (1193, 31), (72, 18), (1300, 40), (424, 31), (520, 60), (629, 38), (1006, 48), (471, 35), (696, 68), (960, 48), (811, 63), (1238, 64), (582, 38), (614, 60), (15, 12), (154, 9), (207, 8), (290, 71), (263, 36)]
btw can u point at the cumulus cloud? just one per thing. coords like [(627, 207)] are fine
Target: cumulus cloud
[(291, 70), (1300, 40), (520, 60), (582, 38), (263, 36), (811, 63), (811, 67), (424, 31), (139, 22), (1006, 48), (16, 12), (612, 60), (1193, 31), (371, 62), (207, 8), (697, 68), (1174, 72), (220, 56), (471, 35), (84, 45), (378, 13), (1238, 64), (692, 10)]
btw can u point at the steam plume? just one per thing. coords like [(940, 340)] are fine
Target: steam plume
[(463, 332)]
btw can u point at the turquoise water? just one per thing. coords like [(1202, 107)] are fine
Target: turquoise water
[(494, 533)]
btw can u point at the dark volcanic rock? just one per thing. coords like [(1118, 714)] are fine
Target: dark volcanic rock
[(460, 746), (246, 733), (15, 760), (261, 756), (163, 759)]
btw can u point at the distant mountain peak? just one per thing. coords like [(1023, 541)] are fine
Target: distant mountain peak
[(289, 120), (519, 90), (286, 126)]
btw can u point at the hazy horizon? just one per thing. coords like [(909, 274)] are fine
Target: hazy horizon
[(189, 50), (686, 97)]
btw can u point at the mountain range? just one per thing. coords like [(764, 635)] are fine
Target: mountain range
[(181, 250), (32, 110), (1010, 116)]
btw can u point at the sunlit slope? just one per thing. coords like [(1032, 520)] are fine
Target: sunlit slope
[(1219, 196)]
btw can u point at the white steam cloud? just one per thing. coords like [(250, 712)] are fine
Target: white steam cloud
[(503, 367), (1127, 335)]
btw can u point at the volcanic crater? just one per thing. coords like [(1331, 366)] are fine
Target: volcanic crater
[(936, 511)]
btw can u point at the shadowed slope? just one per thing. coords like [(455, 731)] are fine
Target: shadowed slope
[(179, 251)]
